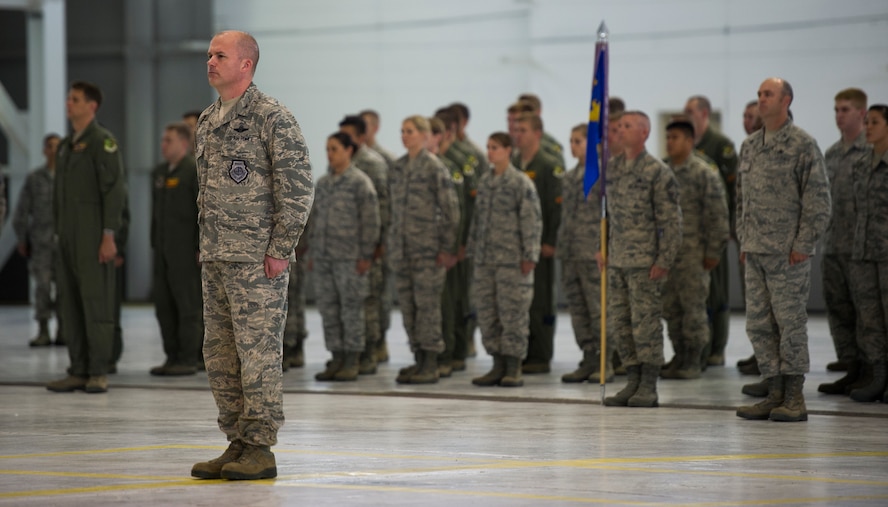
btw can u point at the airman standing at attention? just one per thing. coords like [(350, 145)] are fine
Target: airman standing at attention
[(705, 230), (35, 230), (838, 243), (90, 196), (783, 208), (643, 240)]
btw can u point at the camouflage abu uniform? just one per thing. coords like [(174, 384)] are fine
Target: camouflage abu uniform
[(644, 230), (255, 196), (838, 245), (705, 230), (783, 205), (33, 225), (344, 230), (578, 239), (505, 230), (375, 166), (869, 265), (425, 218)]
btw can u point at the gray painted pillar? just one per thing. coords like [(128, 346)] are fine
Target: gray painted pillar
[(140, 144)]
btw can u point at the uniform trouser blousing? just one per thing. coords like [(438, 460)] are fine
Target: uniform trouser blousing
[(633, 315), (179, 308), (86, 308), (776, 314), (41, 265), (582, 288), (420, 282), (541, 344), (840, 312), (869, 282), (684, 305), (373, 303), (244, 314), (502, 296), (341, 295)]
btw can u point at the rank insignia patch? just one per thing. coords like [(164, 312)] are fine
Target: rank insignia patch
[(238, 171)]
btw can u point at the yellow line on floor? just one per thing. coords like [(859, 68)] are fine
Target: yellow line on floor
[(92, 475), (480, 459), (108, 488), (746, 475)]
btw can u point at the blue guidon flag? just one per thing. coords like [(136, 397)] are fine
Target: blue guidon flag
[(597, 133)]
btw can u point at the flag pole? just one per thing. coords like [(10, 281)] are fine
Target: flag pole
[(601, 47)]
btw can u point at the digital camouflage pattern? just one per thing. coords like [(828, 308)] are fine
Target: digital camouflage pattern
[(255, 180), (838, 245), (505, 230), (425, 209), (345, 229), (783, 205), (33, 225), (645, 224), (244, 313), (705, 230), (869, 267), (578, 238), (783, 201), (255, 197), (644, 216), (425, 222)]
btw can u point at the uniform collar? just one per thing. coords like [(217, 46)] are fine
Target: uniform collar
[(240, 108)]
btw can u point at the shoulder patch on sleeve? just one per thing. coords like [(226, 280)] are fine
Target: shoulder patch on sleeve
[(468, 169), (457, 177), (110, 146), (728, 151), (558, 171)]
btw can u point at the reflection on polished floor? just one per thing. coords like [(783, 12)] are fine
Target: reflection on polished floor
[(373, 442)]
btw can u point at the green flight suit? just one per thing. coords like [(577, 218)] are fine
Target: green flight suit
[(89, 198), (454, 297), (721, 151), (178, 303), (547, 174)]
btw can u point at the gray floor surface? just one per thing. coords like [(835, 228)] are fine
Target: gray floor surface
[(373, 442)]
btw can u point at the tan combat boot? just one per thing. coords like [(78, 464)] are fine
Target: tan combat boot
[(495, 374), (428, 371), (646, 394), (213, 469), (255, 462), (762, 409), (621, 399), (96, 384), (333, 366), (349, 369), (67, 384), (512, 378), (793, 408), (587, 367)]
